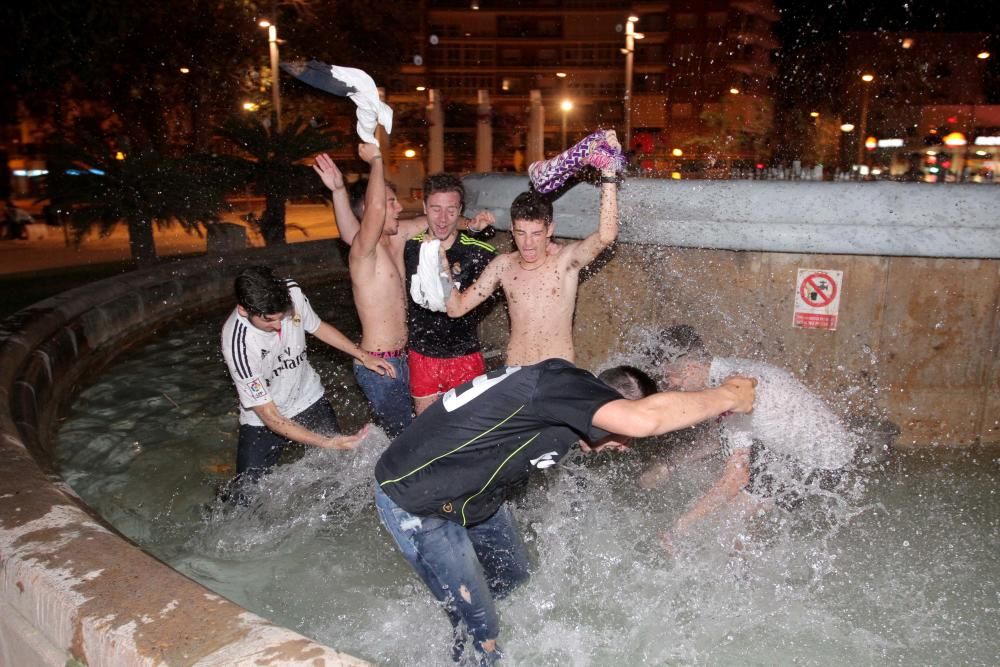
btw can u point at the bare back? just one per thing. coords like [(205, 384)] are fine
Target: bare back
[(541, 303)]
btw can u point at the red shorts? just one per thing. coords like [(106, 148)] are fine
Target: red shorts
[(433, 375)]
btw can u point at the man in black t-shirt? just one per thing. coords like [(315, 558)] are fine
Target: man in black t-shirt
[(442, 485), (444, 352)]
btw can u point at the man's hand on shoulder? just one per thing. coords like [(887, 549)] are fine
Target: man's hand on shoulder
[(481, 221)]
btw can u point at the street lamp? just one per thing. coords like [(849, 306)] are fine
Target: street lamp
[(863, 126), (566, 106), (630, 36), (272, 40)]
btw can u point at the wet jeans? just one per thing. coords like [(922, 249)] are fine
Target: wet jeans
[(465, 568), (259, 448), (389, 397)]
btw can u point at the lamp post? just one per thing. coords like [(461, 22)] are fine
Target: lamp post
[(630, 36), (566, 106), (863, 125), (272, 40)]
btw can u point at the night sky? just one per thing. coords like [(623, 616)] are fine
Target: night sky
[(811, 58)]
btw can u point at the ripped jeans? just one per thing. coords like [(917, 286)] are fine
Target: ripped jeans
[(465, 568)]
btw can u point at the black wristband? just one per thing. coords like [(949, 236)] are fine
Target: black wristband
[(609, 179)]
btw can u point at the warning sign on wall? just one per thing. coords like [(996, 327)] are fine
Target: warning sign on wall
[(817, 299)]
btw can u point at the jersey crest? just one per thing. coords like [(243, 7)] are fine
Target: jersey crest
[(256, 388)]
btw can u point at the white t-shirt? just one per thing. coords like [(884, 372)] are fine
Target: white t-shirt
[(272, 366), (787, 418)]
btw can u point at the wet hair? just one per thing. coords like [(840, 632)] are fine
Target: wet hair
[(680, 340), (260, 292), (356, 195), (444, 182), (531, 205), (628, 381)]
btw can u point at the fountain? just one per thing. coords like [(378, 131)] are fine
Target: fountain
[(918, 323)]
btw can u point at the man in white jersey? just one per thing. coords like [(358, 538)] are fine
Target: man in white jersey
[(281, 397), (790, 442)]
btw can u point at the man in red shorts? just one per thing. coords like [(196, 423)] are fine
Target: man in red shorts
[(444, 352)]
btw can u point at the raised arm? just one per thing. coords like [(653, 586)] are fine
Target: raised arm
[(459, 303), (586, 251), (669, 411), (347, 223), (373, 220)]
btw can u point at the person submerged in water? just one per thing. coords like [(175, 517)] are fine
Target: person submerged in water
[(790, 441), (442, 487)]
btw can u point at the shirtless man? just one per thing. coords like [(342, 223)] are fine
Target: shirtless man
[(540, 280), (375, 262)]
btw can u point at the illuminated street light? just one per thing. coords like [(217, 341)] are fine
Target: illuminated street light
[(410, 153), (272, 40), (630, 36), (421, 89), (983, 55), (677, 152), (566, 106), (561, 75), (866, 91), (250, 106), (847, 127), (185, 70), (814, 114), (734, 91)]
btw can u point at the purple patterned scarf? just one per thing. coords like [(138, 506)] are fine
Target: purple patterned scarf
[(593, 151)]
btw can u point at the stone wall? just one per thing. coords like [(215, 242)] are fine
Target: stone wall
[(916, 340)]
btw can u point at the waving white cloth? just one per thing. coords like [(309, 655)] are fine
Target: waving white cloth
[(347, 82), (372, 111), (430, 286)]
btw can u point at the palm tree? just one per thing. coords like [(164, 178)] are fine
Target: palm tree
[(101, 187), (270, 161)]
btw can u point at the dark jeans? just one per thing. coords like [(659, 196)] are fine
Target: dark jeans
[(465, 568), (259, 448), (388, 396)]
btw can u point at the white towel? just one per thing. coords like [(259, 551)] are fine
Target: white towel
[(372, 111), (430, 286)]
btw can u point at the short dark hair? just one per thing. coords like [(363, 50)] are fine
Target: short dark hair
[(681, 339), (260, 292), (531, 205), (444, 182), (356, 195), (628, 381)]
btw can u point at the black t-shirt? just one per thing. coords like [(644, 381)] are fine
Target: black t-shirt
[(434, 334), (465, 455)]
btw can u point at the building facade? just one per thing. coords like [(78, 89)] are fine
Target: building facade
[(700, 84)]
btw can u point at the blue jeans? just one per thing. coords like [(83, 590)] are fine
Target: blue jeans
[(389, 397), (465, 568)]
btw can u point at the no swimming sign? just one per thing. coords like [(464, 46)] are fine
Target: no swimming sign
[(817, 299)]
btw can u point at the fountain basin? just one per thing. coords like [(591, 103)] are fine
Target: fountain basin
[(71, 589)]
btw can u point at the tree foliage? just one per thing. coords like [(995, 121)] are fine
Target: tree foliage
[(269, 160), (99, 188)]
